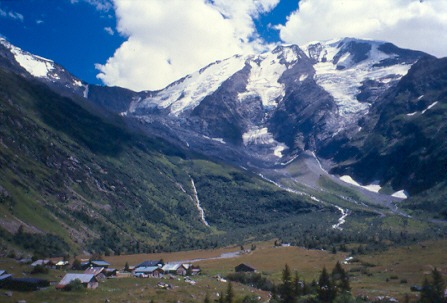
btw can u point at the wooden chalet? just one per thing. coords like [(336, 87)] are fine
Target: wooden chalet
[(244, 268), (150, 271), (88, 280)]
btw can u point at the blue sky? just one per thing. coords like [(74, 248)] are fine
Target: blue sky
[(147, 44)]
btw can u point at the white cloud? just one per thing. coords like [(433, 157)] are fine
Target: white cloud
[(100, 5), (169, 39), (109, 30), (414, 24), (11, 15)]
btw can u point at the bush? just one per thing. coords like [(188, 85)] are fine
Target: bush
[(75, 285), (39, 269)]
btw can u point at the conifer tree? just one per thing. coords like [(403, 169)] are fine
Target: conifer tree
[(326, 291), (297, 286), (286, 289), (340, 278)]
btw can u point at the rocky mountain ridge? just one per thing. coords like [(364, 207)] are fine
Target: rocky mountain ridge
[(263, 111)]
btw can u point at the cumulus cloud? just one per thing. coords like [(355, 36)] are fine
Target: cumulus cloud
[(169, 39), (413, 24)]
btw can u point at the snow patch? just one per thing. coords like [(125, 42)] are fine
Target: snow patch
[(402, 194), (191, 90), (279, 149), (77, 83), (375, 187), (303, 77), (265, 72), (36, 66), (344, 84), (429, 107), (220, 140), (258, 136)]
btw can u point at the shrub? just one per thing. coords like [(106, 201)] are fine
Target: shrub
[(75, 285), (39, 269)]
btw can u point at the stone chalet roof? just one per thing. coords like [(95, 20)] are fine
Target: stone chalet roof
[(148, 269), (84, 278)]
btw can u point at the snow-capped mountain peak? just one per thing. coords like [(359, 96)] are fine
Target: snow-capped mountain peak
[(265, 70), (355, 71), (46, 70), (35, 65)]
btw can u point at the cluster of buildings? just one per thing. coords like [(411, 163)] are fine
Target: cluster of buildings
[(94, 272)]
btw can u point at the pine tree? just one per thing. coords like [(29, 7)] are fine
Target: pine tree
[(326, 291), (297, 286), (438, 286), (426, 292), (286, 290), (433, 291), (340, 278)]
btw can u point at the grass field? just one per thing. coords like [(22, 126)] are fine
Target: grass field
[(388, 273)]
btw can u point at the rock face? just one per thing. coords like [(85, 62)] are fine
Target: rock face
[(275, 105), (402, 141)]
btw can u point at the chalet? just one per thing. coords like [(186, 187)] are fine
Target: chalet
[(151, 271), (98, 272), (99, 263), (46, 263), (151, 263), (4, 278), (171, 268), (62, 264), (25, 261), (244, 268), (195, 270), (88, 280)]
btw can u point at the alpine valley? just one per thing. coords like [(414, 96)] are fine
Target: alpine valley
[(323, 144)]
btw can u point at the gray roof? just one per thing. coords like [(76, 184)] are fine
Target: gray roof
[(5, 277), (148, 269), (94, 270), (149, 263), (40, 262), (100, 263), (2, 272), (85, 278)]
